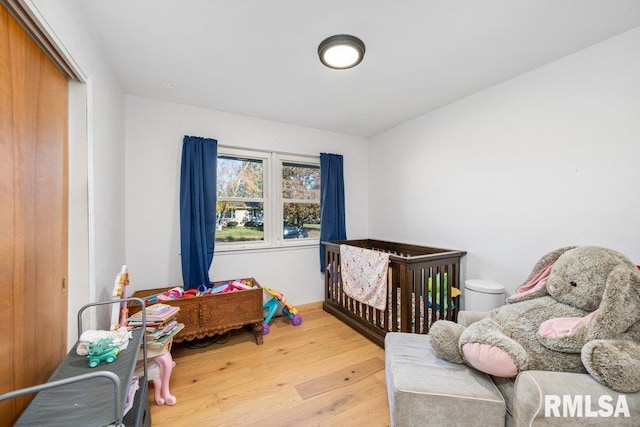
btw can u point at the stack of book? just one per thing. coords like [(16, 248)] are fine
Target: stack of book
[(161, 325)]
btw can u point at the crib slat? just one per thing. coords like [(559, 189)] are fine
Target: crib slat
[(406, 293), (395, 298)]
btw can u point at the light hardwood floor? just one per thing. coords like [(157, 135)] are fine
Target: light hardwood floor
[(321, 373)]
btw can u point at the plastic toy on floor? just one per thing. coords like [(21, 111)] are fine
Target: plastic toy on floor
[(272, 307)]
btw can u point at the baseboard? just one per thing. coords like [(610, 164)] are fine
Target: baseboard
[(316, 305)]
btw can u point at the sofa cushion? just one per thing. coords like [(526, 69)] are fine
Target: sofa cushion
[(424, 389), (562, 398), (505, 386)]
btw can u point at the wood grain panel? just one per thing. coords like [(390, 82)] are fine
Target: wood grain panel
[(33, 213), (342, 377)]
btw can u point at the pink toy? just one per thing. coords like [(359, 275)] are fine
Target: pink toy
[(240, 285), (175, 293), (161, 392)]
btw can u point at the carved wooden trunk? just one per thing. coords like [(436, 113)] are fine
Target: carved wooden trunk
[(213, 314)]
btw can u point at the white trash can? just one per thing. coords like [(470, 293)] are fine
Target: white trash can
[(482, 295)]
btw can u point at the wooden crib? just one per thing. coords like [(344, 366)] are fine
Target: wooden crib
[(415, 273)]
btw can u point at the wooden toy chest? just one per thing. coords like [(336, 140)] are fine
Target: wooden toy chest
[(214, 314)]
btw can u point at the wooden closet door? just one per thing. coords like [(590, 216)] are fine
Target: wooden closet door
[(33, 214)]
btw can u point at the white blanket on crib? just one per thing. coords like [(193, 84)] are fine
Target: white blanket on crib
[(364, 275)]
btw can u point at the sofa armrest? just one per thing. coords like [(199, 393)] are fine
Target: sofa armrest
[(465, 318), (539, 399)]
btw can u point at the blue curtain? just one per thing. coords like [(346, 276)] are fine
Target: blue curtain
[(332, 217), (197, 209)]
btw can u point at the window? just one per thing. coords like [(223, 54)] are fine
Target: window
[(300, 200), (240, 207), (266, 199)]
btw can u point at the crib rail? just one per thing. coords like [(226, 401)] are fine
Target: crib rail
[(419, 291)]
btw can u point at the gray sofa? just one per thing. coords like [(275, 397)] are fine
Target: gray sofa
[(425, 390)]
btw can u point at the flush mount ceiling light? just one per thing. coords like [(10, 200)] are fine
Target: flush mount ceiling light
[(341, 51)]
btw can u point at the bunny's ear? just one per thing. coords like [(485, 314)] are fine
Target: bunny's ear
[(535, 285), (549, 258), (620, 306)]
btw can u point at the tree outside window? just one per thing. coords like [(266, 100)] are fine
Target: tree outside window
[(240, 207), (301, 199), (249, 214)]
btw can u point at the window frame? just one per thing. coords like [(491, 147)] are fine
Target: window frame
[(301, 160), (266, 192), (272, 199)]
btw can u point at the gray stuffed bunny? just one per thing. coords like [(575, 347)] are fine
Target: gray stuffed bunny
[(579, 311)]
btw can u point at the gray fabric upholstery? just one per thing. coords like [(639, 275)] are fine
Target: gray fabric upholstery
[(531, 387), (424, 390), (505, 386)]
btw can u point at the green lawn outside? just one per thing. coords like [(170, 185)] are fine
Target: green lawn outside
[(238, 234), (243, 234)]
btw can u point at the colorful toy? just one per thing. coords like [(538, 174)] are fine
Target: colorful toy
[(119, 312), (101, 351), (180, 293), (272, 306), (454, 292)]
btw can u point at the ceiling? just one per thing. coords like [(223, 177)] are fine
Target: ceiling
[(259, 58)]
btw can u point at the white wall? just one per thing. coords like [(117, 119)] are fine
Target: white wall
[(154, 134), (547, 159), (96, 163), (543, 160), (78, 262)]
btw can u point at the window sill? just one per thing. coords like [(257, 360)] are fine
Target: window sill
[(264, 249)]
